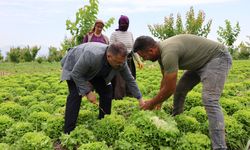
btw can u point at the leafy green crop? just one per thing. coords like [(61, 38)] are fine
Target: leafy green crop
[(17, 130), (199, 113), (80, 135), (131, 138), (235, 134), (12, 109), (109, 128), (33, 141), (37, 118), (193, 141), (159, 130), (243, 116), (187, 123), (4, 146), (94, 146), (125, 107), (54, 126), (5, 123)]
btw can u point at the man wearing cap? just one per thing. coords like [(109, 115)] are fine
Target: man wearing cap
[(93, 65), (96, 33)]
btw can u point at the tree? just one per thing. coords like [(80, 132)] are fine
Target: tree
[(193, 25), (244, 50), (1, 56), (34, 50), (228, 35), (85, 19), (54, 54), (25, 54), (14, 55), (66, 44)]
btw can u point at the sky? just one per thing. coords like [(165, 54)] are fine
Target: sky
[(43, 22)]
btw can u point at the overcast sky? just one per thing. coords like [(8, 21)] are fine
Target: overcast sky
[(42, 22)]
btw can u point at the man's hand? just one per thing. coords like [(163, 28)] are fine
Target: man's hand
[(147, 105), (140, 65), (141, 103), (158, 106), (91, 97)]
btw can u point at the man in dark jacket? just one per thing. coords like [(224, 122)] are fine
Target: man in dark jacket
[(93, 65)]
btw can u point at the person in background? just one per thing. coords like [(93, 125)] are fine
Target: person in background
[(122, 34), (92, 66), (205, 61), (96, 34)]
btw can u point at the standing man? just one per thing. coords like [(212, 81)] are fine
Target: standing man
[(94, 65), (204, 60)]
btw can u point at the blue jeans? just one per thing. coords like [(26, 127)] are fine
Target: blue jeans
[(212, 76)]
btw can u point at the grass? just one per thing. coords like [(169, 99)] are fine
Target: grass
[(28, 67)]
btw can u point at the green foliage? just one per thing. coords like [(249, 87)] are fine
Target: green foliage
[(37, 118), (193, 26), (40, 106), (231, 106), (54, 126), (22, 81), (161, 127), (80, 135), (167, 106), (187, 123), (59, 101), (4, 146), (5, 123), (14, 55), (66, 44), (193, 99), (199, 113), (228, 35), (17, 130), (108, 128), (54, 54), (235, 134), (94, 146), (26, 54), (194, 141), (1, 56), (243, 116), (5, 96), (244, 50), (12, 109), (131, 138), (125, 107), (88, 118), (85, 19), (34, 141), (41, 59)]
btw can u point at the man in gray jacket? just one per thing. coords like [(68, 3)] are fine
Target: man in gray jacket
[(93, 65)]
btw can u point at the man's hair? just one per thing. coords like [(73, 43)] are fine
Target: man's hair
[(118, 48), (143, 43)]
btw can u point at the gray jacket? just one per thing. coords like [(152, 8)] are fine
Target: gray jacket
[(82, 63)]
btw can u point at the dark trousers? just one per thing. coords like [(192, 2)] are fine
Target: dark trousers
[(74, 101)]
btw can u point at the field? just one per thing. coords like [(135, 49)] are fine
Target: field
[(32, 103)]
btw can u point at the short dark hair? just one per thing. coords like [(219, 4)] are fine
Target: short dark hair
[(143, 43), (118, 48)]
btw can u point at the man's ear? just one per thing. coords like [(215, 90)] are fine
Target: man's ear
[(109, 54), (151, 50)]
